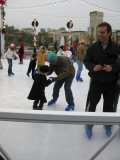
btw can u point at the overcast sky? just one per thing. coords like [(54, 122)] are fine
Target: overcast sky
[(21, 13)]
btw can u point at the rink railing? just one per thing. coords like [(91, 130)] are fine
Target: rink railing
[(62, 117)]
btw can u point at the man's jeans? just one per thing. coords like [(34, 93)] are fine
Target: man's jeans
[(80, 67), (9, 65), (67, 86)]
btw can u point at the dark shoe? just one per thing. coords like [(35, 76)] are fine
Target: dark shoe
[(52, 102), (68, 108), (40, 106), (88, 132), (12, 74), (35, 107), (9, 74)]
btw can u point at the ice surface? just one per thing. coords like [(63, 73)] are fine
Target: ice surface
[(35, 141)]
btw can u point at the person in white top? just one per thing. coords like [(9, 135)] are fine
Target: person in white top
[(61, 52), (9, 55)]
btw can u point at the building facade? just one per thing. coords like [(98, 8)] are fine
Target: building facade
[(95, 19), (75, 36)]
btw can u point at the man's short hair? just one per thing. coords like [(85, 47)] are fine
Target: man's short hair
[(105, 24)]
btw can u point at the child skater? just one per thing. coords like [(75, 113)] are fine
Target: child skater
[(37, 92), (32, 65), (9, 55)]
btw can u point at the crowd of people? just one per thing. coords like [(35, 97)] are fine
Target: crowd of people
[(102, 60)]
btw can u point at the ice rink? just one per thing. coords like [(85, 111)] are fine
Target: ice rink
[(39, 141)]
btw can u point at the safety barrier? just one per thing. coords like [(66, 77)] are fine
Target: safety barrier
[(62, 117)]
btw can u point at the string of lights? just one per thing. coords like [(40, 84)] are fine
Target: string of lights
[(84, 2), (54, 16)]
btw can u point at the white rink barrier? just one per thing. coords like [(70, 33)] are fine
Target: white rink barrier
[(62, 117)]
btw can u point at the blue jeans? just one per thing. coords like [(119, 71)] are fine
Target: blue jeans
[(9, 65), (80, 68), (67, 86), (71, 58)]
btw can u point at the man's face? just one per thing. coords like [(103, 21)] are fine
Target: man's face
[(103, 35)]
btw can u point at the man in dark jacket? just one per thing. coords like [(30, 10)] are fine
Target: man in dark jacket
[(65, 72), (100, 60)]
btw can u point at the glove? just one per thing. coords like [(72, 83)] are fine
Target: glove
[(53, 79)]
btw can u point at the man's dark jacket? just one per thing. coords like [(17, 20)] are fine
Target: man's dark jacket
[(96, 55)]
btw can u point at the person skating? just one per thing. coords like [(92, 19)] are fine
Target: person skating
[(65, 72), (37, 92), (80, 54), (21, 52), (41, 57), (10, 55), (32, 65), (100, 60)]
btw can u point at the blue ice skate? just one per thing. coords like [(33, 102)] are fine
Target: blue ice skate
[(79, 79), (70, 107), (108, 131), (52, 102), (89, 132)]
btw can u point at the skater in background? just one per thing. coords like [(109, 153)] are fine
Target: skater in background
[(65, 72), (100, 60), (10, 55), (41, 57), (79, 57), (32, 65), (37, 92), (75, 50), (21, 52), (63, 52)]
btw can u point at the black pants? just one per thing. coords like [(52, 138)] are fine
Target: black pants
[(21, 58), (31, 67), (94, 95)]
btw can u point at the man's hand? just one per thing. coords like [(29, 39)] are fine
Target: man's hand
[(107, 68), (97, 68)]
